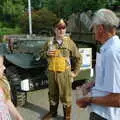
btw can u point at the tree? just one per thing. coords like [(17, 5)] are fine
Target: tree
[(11, 10), (36, 4), (64, 8), (42, 21)]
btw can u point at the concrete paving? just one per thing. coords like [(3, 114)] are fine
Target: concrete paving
[(37, 106)]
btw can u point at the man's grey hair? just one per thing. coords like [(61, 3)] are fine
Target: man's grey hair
[(105, 17)]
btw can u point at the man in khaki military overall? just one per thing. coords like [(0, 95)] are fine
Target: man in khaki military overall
[(58, 52)]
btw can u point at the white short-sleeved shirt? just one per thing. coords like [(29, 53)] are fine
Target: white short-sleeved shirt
[(107, 77)]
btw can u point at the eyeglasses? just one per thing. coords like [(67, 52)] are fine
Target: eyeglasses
[(61, 27)]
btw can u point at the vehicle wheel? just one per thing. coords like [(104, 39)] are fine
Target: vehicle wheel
[(19, 98)]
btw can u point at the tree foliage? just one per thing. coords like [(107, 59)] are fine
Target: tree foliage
[(36, 4), (11, 10), (64, 8), (15, 11), (41, 20)]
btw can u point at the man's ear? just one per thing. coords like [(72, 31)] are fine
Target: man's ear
[(101, 28)]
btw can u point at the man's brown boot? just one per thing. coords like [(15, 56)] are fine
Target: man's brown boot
[(67, 112), (52, 113)]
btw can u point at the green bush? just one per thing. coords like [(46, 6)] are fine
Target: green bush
[(8, 31)]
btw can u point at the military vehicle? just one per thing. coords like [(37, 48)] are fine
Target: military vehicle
[(23, 66)]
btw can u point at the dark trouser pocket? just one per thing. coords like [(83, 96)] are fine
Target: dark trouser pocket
[(94, 116)]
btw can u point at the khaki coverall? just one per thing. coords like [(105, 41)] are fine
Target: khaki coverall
[(60, 83)]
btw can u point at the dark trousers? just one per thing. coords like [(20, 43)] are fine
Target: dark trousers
[(94, 116)]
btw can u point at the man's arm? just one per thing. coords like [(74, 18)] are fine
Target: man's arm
[(44, 50), (77, 58), (111, 100)]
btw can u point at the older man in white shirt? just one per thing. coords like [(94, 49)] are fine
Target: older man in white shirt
[(105, 100)]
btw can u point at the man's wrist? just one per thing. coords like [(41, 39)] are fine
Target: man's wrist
[(90, 100)]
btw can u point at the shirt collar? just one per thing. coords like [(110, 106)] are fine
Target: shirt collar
[(108, 43)]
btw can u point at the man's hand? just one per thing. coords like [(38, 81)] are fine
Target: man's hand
[(73, 74), (87, 87), (51, 53), (83, 102)]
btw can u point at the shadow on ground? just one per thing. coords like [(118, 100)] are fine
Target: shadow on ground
[(40, 110)]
